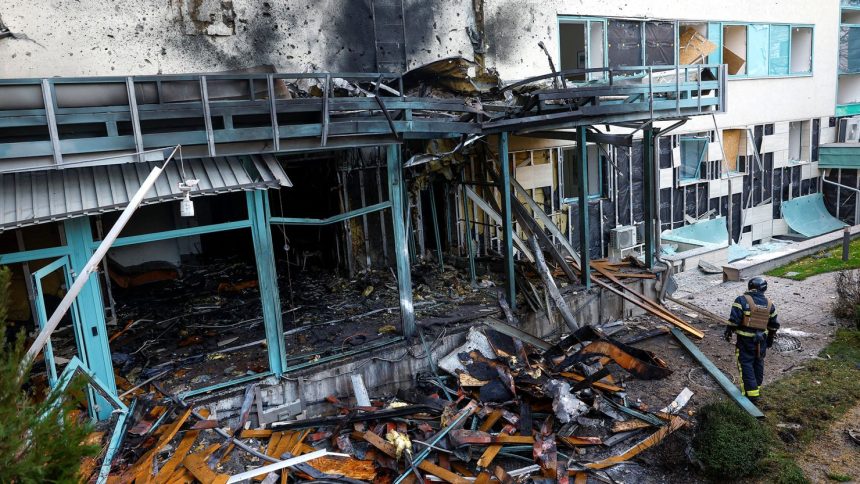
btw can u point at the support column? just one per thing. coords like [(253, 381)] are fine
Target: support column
[(91, 331), (582, 172), (649, 198), (507, 222), (267, 276), (401, 248)]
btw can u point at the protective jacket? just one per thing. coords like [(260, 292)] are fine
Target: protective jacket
[(755, 326)]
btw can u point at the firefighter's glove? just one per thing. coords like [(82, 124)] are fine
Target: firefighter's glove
[(771, 335), (728, 334)]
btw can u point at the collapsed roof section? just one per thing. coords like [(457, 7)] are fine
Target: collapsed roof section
[(48, 123)]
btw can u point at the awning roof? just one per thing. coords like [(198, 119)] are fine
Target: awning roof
[(29, 198)]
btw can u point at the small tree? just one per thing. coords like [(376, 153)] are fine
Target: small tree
[(40, 440)]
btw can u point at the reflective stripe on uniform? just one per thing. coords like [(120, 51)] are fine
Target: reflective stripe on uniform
[(745, 333), (754, 393), (740, 370), (736, 305)]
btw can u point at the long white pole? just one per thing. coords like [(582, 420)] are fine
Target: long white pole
[(92, 265)]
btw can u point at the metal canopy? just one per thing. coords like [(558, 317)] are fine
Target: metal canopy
[(29, 198)]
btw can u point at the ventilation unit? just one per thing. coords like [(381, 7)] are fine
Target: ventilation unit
[(623, 237), (849, 130)]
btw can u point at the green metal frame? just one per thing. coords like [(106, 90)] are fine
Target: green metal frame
[(401, 250), (582, 170), (76, 365), (261, 233), (507, 220), (41, 315), (702, 154), (330, 220), (93, 347), (650, 186)]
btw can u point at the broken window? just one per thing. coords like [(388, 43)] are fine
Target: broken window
[(798, 141), (581, 46), (570, 176), (735, 149), (659, 43), (735, 48), (693, 151), (801, 50), (693, 44)]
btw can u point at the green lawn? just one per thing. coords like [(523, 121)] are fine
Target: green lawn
[(820, 263)]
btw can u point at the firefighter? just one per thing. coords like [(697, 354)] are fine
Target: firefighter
[(753, 320)]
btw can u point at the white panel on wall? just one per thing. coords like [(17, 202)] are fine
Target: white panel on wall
[(534, 176), (715, 152), (814, 172), (666, 177), (780, 158), (779, 227), (762, 230), (717, 188), (828, 135), (805, 171), (676, 156), (774, 142), (758, 214), (780, 127)]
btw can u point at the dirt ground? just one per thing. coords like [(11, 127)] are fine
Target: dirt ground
[(840, 455), (807, 326)]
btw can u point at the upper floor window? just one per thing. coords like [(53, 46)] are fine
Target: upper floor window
[(761, 50)]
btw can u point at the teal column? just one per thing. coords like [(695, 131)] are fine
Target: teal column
[(90, 329), (507, 222), (258, 214), (401, 247), (650, 194), (582, 171)]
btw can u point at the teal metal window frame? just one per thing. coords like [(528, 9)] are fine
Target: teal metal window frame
[(713, 27), (746, 74), (586, 22), (683, 180), (575, 200)]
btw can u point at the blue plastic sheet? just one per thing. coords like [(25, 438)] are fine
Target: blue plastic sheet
[(706, 232), (807, 216)]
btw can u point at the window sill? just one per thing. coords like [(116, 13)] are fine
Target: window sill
[(738, 77)]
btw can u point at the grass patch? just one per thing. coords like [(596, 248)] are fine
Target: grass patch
[(821, 263), (813, 397), (732, 445), (835, 476), (729, 442)]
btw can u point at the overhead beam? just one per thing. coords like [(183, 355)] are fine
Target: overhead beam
[(590, 136)]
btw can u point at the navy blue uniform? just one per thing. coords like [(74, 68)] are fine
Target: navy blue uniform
[(751, 345)]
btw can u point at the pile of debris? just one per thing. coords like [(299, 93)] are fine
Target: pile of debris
[(520, 408)]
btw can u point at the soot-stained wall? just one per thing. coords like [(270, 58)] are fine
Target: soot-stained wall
[(127, 37)]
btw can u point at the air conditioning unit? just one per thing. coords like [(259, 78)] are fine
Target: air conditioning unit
[(623, 237), (849, 130)]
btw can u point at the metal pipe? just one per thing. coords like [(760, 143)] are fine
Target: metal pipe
[(92, 265)]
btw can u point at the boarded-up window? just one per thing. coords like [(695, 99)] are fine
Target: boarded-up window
[(733, 141), (735, 48), (693, 45), (624, 39), (659, 43)]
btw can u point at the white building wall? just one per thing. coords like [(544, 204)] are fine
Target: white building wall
[(514, 27)]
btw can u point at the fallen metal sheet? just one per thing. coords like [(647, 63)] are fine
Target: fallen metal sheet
[(679, 402), (808, 216), (640, 363), (281, 465), (718, 375), (650, 441), (359, 417)]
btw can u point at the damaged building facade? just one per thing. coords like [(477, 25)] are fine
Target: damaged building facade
[(338, 162)]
